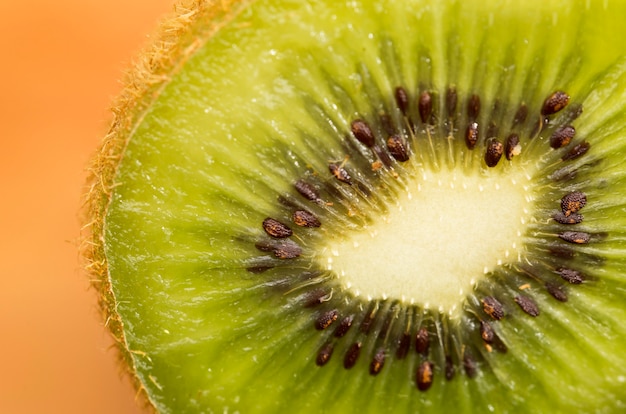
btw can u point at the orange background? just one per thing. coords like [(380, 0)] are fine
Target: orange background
[(60, 62)]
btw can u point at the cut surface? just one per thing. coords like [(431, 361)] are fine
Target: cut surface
[(444, 233), (220, 312)]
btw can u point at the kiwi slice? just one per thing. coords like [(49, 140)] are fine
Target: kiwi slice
[(367, 206)]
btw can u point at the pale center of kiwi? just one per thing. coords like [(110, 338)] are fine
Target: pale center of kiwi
[(444, 234)]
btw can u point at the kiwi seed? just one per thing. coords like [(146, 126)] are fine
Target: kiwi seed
[(570, 275), (305, 218), (363, 132), (494, 152), (562, 136), (469, 364), (572, 218), (577, 237), (307, 190), (573, 202), (520, 115), (324, 355), (402, 100), (422, 341), (397, 148), (425, 105), (326, 319), (473, 107), (276, 229), (471, 135), (352, 355), (527, 304), (340, 173), (486, 332), (378, 362), (513, 147), (451, 101), (556, 291), (554, 103), (425, 376), (576, 151), (493, 307)]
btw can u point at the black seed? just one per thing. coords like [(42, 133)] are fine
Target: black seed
[(283, 249), (398, 148), (362, 132), (387, 124), (573, 218), (304, 218), (383, 156), (563, 252), (512, 148), (352, 355), (451, 100), (575, 110), (316, 297), (402, 99), (340, 173), (326, 319), (471, 135), (324, 354), (564, 174), (493, 308), (527, 304), (286, 202), (276, 229), (377, 362), (573, 202), (487, 332), (499, 345), (424, 377), (449, 369), (554, 103), (469, 364), (556, 291), (572, 276), (425, 106), (576, 151), (520, 115), (577, 237), (494, 152), (366, 324), (422, 341), (307, 191), (287, 250), (404, 344), (264, 246), (382, 333), (344, 326), (492, 130), (473, 107), (561, 137)]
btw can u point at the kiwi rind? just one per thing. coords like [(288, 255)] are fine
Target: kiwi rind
[(106, 174)]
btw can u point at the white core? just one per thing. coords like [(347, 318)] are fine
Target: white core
[(448, 231)]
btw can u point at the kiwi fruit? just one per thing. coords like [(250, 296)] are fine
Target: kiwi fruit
[(368, 206)]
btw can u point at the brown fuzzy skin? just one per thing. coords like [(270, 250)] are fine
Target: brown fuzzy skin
[(190, 25)]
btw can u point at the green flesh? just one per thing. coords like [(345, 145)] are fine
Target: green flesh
[(269, 99)]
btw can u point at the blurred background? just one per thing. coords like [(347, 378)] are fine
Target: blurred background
[(60, 66)]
